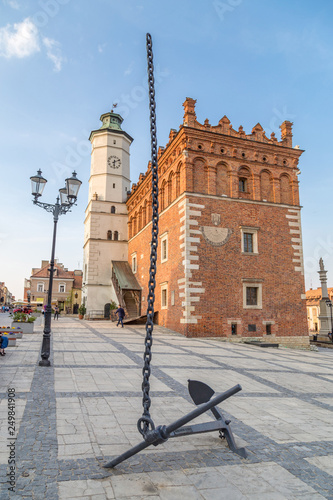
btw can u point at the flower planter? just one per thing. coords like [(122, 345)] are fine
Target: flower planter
[(80, 316), (11, 341), (25, 327)]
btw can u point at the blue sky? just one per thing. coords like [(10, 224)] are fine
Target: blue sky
[(65, 62)]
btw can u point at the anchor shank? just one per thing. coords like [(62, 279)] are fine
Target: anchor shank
[(202, 409), (198, 429), (129, 453)]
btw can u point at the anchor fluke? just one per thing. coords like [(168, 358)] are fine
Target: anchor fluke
[(199, 392)]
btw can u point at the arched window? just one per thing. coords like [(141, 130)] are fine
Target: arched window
[(144, 214), (199, 177), (170, 188), (140, 219), (244, 180), (130, 225), (266, 191), (115, 235), (113, 209), (135, 223), (222, 180), (285, 189), (163, 195), (242, 185), (109, 235), (150, 208), (178, 181)]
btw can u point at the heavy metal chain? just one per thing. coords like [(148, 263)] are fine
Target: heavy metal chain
[(145, 423)]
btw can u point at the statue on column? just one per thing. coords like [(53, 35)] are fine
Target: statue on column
[(324, 315)]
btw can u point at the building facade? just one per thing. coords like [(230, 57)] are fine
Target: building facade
[(313, 297), (105, 225), (230, 260), (66, 285), (6, 297)]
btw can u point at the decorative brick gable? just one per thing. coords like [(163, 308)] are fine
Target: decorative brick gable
[(214, 182)]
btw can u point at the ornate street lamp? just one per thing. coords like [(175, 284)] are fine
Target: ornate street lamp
[(68, 197)]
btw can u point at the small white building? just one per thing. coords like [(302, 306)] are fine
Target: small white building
[(313, 297)]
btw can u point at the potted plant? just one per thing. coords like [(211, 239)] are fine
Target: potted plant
[(82, 311), (113, 307), (23, 322)]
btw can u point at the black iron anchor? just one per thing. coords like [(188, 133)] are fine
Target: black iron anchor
[(201, 395)]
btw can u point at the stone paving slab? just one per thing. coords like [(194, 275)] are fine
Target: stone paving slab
[(76, 415)]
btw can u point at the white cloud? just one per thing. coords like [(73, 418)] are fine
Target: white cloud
[(101, 47), (19, 40), (53, 52), (23, 39), (11, 3)]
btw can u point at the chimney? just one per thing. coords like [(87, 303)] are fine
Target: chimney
[(189, 115), (286, 133)]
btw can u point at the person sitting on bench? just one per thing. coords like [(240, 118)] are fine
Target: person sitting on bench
[(3, 344)]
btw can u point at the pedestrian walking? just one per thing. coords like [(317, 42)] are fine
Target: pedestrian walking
[(121, 315), (56, 313)]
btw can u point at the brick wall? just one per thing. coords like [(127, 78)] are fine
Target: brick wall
[(214, 182)]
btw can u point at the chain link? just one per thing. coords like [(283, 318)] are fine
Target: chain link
[(145, 423)]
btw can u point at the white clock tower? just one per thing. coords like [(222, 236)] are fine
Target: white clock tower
[(105, 225)]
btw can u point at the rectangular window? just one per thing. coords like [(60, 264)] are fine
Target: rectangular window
[(252, 328), (248, 242), (233, 328), (242, 185), (252, 293), (268, 329), (40, 287), (61, 288), (251, 296), (164, 247), (249, 239), (164, 297), (134, 264), (114, 185)]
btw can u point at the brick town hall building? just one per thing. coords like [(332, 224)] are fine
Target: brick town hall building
[(230, 260)]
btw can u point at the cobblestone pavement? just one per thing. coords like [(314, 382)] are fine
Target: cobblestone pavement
[(73, 417)]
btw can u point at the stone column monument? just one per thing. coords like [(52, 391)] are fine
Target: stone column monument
[(324, 316)]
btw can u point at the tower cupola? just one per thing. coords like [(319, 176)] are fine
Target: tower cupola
[(111, 121)]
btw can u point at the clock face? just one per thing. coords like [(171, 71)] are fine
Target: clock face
[(114, 162)]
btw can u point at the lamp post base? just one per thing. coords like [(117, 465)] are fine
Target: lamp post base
[(44, 362)]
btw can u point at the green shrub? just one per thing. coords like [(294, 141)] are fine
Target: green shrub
[(113, 305), (82, 310), (31, 319), (19, 316)]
